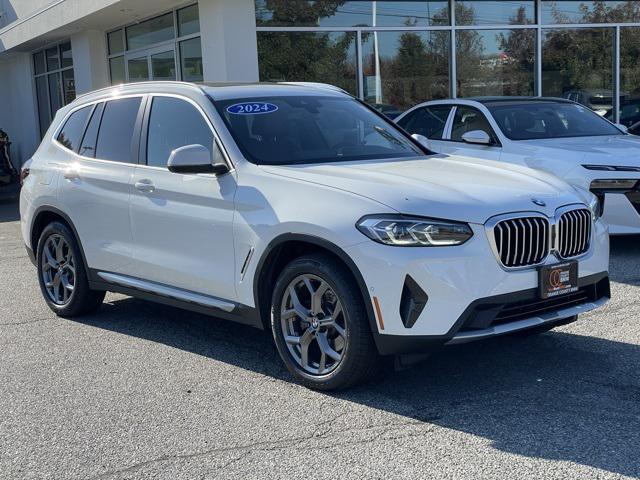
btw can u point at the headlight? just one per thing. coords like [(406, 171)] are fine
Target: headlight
[(403, 231), (596, 208)]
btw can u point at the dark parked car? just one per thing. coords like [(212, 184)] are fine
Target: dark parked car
[(598, 100)]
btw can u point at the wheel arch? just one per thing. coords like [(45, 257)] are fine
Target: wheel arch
[(45, 215), (287, 247)]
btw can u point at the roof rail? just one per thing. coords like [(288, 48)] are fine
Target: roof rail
[(325, 86), (137, 84)]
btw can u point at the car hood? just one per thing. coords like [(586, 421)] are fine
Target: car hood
[(456, 188), (604, 150)]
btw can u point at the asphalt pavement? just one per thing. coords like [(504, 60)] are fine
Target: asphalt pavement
[(140, 391)]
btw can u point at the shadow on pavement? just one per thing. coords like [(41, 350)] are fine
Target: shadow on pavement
[(557, 396)]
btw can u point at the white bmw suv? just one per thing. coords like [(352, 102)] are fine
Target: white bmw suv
[(300, 210)]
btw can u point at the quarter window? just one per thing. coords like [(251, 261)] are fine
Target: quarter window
[(468, 119), (174, 123), (88, 146), (73, 129), (116, 130), (428, 121)]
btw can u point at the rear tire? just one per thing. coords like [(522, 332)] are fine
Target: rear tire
[(320, 324), (62, 274)]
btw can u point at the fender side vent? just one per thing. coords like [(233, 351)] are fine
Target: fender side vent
[(412, 302)]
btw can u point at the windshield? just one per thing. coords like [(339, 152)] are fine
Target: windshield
[(550, 120), (311, 129)]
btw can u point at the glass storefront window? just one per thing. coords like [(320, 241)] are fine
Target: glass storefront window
[(401, 69), (303, 13), (412, 14), (55, 93), (54, 81), (116, 67), (324, 13), (138, 69), (191, 58), (496, 48), (629, 76), (163, 66), (188, 21), (328, 57), (495, 62), (38, 63), (155, 30), (115, 41), (65, 55), (480, 12), (578, 64), (68, 86), (151, 46), (602, 11), (53, 58), (43, 103)]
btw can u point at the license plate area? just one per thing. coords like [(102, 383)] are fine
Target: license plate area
[(559, 279)]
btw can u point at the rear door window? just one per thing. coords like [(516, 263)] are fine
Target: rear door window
[(427, 121), (117, 129), (174, 123), (71, 133)]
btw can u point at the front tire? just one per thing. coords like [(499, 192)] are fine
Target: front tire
[(320, 324), (62, 274)]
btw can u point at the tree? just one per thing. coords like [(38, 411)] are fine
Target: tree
[(418, 72), (304, 56), (518, 62)]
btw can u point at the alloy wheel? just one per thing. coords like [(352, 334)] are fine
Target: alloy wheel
[(313, 324), (58, 269)]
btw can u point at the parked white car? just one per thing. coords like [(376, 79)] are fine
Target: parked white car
[(302, 211), (554, 135)]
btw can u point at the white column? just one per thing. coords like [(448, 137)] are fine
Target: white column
[(229, 46), (90, 67), (18, 110)]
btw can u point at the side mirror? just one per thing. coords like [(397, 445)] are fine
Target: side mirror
[(622, 128), (477, 137), (194, 159), (421, 139)]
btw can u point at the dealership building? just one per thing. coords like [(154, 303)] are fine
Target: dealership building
[(393, 54)]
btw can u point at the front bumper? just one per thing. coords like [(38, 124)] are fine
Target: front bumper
[(469, 292), (503, 314)]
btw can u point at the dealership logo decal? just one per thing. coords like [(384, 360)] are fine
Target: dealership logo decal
[(559, 278)]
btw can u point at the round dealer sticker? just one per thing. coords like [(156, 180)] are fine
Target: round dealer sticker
[(252, 108)]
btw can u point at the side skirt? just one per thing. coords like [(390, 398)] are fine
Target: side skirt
[(174, 297)]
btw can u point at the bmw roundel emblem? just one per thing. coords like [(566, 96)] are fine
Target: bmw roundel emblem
[(539, 202)]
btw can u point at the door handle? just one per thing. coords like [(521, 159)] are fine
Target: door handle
[(145, 186), (71, 174)]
